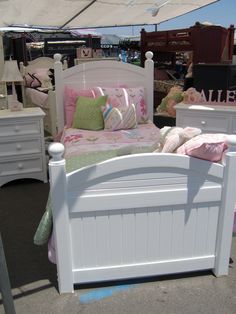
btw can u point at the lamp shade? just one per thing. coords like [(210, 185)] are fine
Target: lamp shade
[(11, 72)]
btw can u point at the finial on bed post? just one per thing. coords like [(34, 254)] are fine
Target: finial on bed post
[(57, 57), (56, 150), (149, 55)]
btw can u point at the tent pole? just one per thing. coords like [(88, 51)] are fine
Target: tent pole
[(77, 14)]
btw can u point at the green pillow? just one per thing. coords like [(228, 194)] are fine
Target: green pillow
[(88, 114)]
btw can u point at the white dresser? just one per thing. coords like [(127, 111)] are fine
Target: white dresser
[(22, 150), (209, 118)]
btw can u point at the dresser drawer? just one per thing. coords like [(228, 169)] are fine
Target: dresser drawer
[(19, 128), (14, 147), (207, 123), (21, 166)]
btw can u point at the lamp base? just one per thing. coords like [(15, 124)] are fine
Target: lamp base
[(14, 104)]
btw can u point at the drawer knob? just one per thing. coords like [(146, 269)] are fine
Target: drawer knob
[(16, 128), (20, 166), (18, 147), (203, 122)]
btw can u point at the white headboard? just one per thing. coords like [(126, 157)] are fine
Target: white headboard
[(104, 74), (39, 63)]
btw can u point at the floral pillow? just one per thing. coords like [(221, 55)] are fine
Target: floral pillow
[(119, 118), (70, 98), (120, 97), (117, 96), (191, 95), (136, 96), (167, 105)]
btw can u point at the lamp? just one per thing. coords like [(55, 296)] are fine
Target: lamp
[(11, 74)]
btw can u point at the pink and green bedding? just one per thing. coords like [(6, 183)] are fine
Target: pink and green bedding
[(77, 141), (84, 148)]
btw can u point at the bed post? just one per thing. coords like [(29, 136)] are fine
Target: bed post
[(53, 112), (22, 71), (61, 228), (59, 90), (149, 67), (226, 214)]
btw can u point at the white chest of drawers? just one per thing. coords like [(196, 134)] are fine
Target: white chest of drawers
[(22, 150), (209, 118)]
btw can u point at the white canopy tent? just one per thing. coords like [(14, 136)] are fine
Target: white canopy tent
[(68, 14)]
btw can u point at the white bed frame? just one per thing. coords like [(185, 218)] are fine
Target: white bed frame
[(50, 124), (137, 215), (110, 73), (141, 215)]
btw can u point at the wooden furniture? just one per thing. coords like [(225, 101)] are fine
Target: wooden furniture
[(214, 76), (22, 151), (209, 118), (164, 44), (162, 120), (117, 219)]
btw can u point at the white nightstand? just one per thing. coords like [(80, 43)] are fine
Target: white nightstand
[(209, 118), (22, 150)]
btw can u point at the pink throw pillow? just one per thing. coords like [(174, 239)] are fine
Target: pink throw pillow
[(205, 146), (36, 78), (70, 98)]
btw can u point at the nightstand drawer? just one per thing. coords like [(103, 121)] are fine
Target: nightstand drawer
[(21, 166), (206, 123), (13, 147), (19, 128)]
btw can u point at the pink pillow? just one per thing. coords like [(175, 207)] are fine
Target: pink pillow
[(205, 146), (70, 98), (36, 78)]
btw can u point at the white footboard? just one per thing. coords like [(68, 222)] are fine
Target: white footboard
[(141, 215)]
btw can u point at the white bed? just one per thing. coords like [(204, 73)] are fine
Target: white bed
[(138, 215), (44, 98)]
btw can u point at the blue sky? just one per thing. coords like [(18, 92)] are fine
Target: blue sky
[(222, 12)]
